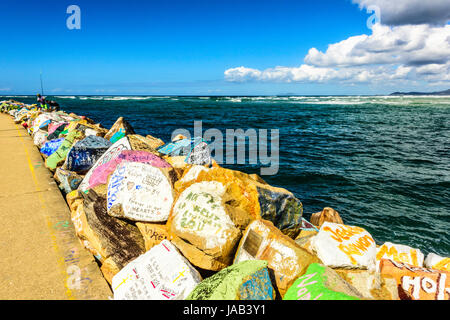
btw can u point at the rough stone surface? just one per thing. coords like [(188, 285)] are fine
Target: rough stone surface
[(247, 280), (286, 260), (326, 215)]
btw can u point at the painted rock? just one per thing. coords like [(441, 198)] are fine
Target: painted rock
[(399, 253), (370, 284), (55, 134), (162, 273), (153, 233), (260, 200), (247, 280), (119, 129), (343, 246), (321, 283), (180, 147), (109, 239), (51, 146), (326, 215), (204, 227), (200, 155), (39, 138), (100, 173), (434, 261), (307, 233), (287, 260), (415, 283), (68, 181), (85, 153), (108, 155), (140, 192), (58, 157)]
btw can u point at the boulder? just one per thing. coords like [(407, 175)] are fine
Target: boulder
[(119, 129), (101, 173), (155, 143), (286, 260), (153, 233), (108, 155), (260, 200), (369, 284), (326, 215), (39, 138), (433, 261), (84, 153), (51, 146), (68, 181), (204, 227), (140, 192), (321, 283), (247, 280), (343, 246), (307, 233), (415, 283), (200, 155), (58, 157), (107, 237), (399, 253), (162, 273)]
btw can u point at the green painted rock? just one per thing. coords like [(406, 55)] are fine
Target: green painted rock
[(247, 280), (58, 157), (321, 283)]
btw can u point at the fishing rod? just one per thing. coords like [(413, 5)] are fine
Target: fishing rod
[(42, 88)]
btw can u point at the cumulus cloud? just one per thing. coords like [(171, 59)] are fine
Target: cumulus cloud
[(403, 12), (400, 47)]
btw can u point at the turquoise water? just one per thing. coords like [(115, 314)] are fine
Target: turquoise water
[(382, 162)]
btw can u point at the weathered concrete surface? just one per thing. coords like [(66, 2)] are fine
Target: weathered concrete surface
[(40, 255)]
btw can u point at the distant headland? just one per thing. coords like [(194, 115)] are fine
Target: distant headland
[(438, 93)]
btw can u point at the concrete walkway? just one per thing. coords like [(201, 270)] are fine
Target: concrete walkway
[(40, 255)]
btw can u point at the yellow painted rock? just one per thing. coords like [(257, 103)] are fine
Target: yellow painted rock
[(288, 261)]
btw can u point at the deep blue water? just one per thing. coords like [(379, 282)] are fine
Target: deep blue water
[(383, 163)]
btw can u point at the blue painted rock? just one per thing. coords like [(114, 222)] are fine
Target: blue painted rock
[(85, 153), (119, 129), (195, 151), (247, 280), (51, 146), (67, 180), (58, 157)]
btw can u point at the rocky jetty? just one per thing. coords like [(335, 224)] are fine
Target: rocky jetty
[(165, 222)]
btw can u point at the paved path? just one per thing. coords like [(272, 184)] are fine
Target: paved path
[(40, 255)]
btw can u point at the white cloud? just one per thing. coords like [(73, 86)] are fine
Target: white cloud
[(403, 12), (409, 52)]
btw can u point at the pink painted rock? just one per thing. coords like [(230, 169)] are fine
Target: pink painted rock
[(100, 174)]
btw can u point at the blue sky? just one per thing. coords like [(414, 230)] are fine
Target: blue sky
[(183, 47)]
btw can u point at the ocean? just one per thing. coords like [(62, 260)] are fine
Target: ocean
[(382, 162)]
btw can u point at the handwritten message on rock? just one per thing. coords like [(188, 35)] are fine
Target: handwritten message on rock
[(321, 283), (399, 253), (139, 192), (199, 216), (100, 174), (417, 283), (263, 241), (200, 155), (111, 153), (39, 138), (51, 146), (162, 273), (434, 261), (85, 153), (339, 245)]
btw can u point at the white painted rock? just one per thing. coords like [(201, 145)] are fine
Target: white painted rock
[(39, 138), (343, 246), (399, 253), (433, 261), (140, 192), (161, 273)]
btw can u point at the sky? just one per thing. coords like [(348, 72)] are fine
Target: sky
[(232, 47)]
